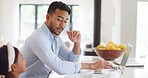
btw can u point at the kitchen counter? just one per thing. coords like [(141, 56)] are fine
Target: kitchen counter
[(135, 71)]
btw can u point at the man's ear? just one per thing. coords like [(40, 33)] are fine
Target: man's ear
[(48, 16), (14, 67)]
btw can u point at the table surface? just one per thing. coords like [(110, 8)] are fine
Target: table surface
[(129, 72)]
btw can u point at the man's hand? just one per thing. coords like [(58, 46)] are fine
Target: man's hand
[(74, 36), (101, 65), (98, 65)]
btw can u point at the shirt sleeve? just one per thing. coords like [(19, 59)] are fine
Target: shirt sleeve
[(66, 54), (42, 49)]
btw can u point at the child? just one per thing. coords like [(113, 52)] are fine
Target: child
[(11, 62)]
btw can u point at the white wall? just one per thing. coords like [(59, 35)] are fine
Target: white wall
[(107, 18), (129, 23), (86, 18), (143, 0), (110, 20), (1, 8), (9, 25)]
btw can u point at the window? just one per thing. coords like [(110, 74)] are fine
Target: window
[(33, 15), (27, 20)]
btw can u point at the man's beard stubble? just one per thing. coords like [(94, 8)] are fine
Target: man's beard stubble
[(53, 31)]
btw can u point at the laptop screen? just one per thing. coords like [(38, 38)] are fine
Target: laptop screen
[(126, 55)]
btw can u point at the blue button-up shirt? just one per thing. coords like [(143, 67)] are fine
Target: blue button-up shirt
[(44, 52)]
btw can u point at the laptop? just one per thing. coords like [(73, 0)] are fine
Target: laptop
[(131, 62), (124, 60), (126, 55)]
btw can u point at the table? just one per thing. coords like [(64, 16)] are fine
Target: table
[(129, 72)]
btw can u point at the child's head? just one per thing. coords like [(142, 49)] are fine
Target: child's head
[(11, 60)]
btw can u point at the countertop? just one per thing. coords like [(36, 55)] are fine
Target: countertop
[(129, 72)]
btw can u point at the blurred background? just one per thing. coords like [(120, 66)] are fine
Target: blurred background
[(99, 21)]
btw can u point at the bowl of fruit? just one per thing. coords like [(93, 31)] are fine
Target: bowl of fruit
[(110, 51)]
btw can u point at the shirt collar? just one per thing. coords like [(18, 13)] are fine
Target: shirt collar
[(47, 32)]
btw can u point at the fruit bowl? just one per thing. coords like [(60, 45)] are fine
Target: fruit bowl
[(108, 54)]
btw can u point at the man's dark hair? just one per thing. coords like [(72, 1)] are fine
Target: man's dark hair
[(58, 5)]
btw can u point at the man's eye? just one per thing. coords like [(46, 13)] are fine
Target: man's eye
[(59, 19), (65, 21)]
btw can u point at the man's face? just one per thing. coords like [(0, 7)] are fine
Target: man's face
[(56, 22)]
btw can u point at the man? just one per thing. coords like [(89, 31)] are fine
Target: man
[(45, 51)]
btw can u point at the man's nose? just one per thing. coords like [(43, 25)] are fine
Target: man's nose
[(62, 24)]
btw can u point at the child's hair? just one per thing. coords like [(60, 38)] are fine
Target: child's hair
[(4, 59)]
